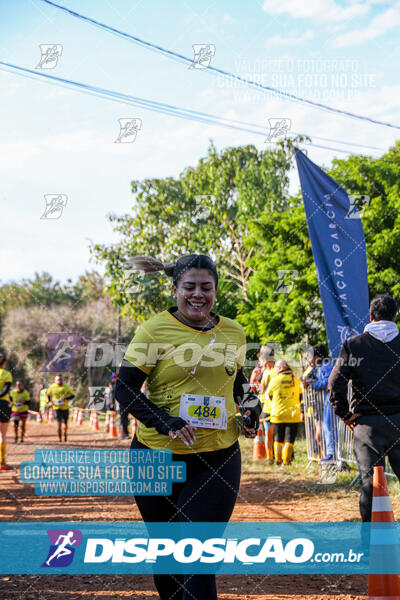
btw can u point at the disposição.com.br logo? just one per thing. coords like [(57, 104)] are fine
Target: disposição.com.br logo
[(62, 547)]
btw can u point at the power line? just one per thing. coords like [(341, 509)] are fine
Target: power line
[(211, 69), (146, 104)]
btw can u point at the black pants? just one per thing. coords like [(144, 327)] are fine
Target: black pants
[(208, 494), (375, 436), (285, 432), (124, 420)]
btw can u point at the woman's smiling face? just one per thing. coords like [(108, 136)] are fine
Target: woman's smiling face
[(195, 295)]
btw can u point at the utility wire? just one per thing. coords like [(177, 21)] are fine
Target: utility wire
[(211, 69), (146, 104)]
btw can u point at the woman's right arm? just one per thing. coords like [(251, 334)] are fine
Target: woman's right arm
[(132, 400)]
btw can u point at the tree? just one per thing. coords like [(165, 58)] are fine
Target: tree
[(284, 245), (208, 209), (24, 337)]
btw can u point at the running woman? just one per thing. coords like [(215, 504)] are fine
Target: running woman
[(192, 359), (5, 410), (19, 409), (285, 392), (60, 395)]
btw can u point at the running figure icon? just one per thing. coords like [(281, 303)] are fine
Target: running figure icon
[(62, 550)]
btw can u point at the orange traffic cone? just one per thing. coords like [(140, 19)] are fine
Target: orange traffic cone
[(113, 425), (51, 415), (259, 444), (107, 422), (80, 418), (95, 421), (75, 417), (38, 417), (381, 587)]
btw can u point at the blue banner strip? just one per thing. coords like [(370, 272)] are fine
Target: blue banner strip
[(249, 548)]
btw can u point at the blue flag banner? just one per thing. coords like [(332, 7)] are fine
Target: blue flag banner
[(338, 246)]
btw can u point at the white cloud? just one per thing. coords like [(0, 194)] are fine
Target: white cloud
[(291, 40), (380, 24), (320, 10)]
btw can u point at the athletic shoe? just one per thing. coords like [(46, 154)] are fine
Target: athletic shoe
[(328, 458), (16, 441), (5, 467), (124, 437)]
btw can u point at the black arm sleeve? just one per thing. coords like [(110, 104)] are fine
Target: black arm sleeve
[(132, 400), (247, 399), (6, 389)]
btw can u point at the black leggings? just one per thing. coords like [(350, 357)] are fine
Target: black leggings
[(208, 494), (285, 432)]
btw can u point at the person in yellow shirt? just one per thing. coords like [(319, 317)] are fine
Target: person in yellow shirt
[(268, 358), (60, 395), (20, 399), (43, 403), (192, 359), (285, 392), (5, 410)]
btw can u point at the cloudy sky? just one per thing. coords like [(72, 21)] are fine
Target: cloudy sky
[(56, 141)]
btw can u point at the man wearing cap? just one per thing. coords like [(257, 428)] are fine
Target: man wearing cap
[(268, 359), (371, 361)]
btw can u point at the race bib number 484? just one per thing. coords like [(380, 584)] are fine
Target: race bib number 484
[(204, 411)]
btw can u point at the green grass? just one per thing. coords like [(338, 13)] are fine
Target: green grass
[(301, 471)]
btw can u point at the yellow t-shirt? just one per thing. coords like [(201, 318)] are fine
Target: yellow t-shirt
[(284, 390), (44, 400), (20, 401), (5, 377), (181, 360), (57, 393), (265, 381)]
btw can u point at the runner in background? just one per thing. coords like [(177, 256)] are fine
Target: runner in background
[(285, 392), (19, 409), (191, 406), (60, 395), (44, 404), (5, 410), (268, 360)]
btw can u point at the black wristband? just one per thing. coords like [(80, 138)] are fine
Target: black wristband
[(170, 424)]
